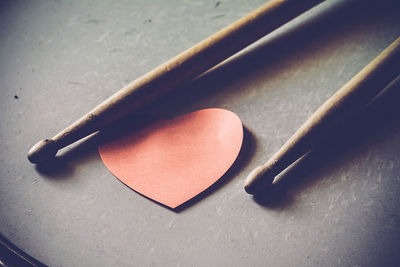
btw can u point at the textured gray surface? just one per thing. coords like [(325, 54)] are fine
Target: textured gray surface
[(339, 206)]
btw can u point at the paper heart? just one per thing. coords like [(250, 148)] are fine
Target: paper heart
[(172, 161)]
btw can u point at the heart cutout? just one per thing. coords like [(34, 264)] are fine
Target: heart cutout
[(171, 161)]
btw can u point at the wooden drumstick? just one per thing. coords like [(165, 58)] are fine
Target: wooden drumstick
[(175, 72), (353, 96)]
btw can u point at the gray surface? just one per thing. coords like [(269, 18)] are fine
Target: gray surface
[(340, 206)]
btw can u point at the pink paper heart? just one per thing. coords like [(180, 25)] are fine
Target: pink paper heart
[(172, 161)]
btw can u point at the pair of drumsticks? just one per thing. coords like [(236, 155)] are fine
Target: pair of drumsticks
[(181, 69)]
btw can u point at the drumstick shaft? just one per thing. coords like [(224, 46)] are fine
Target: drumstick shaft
[(349, 99), (176, 72)]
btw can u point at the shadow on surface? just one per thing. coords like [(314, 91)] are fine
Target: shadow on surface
[(379, 121), (313, 34), (278, 50), (63, 166)]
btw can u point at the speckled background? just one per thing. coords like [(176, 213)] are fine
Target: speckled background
[(339, 206)]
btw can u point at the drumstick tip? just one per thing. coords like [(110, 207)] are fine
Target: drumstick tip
[(42, 151), (258, 179)]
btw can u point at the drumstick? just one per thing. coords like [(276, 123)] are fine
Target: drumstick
[(175, 72), (353, 96)]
